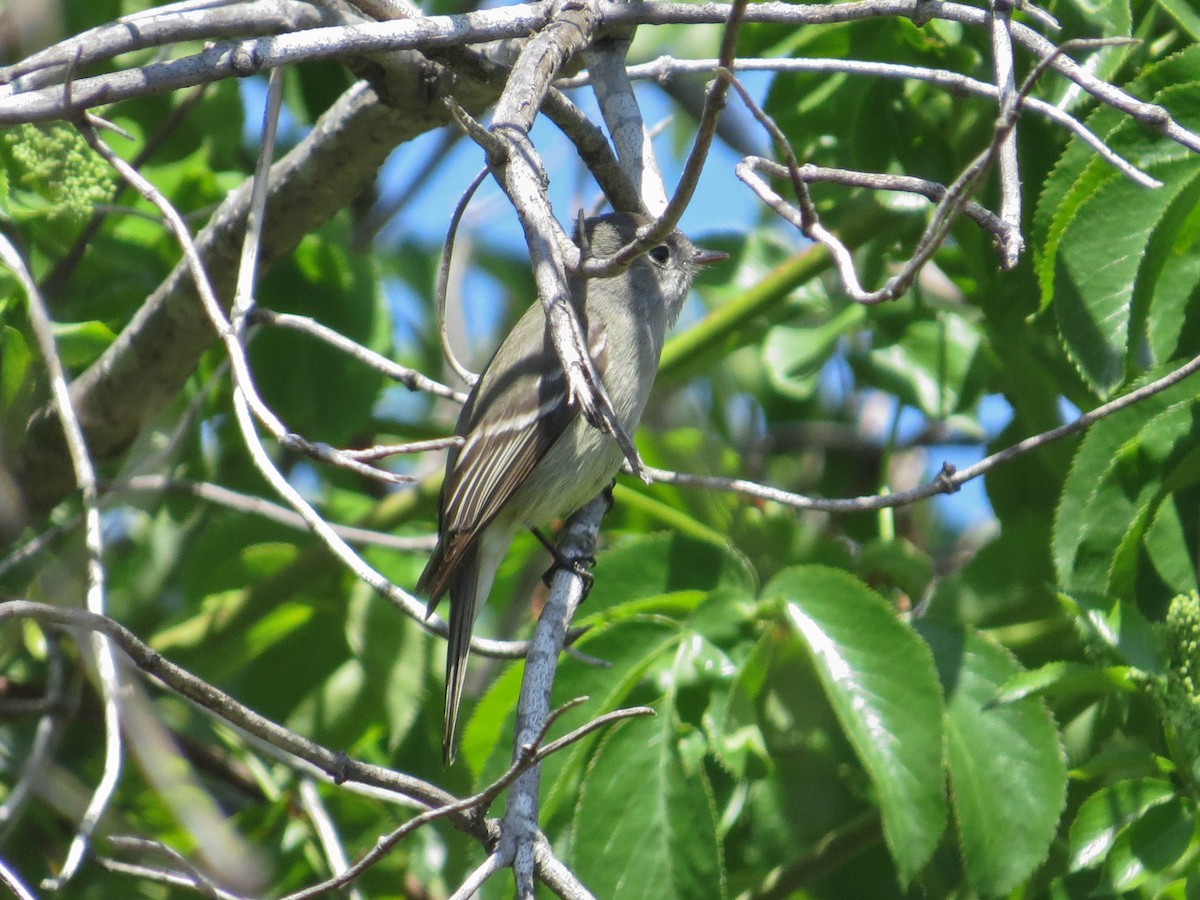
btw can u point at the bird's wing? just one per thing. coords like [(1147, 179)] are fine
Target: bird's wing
[(505, 440)]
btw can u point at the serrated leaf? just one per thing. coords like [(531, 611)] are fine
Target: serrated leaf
[(1112, 483), (737, 737), (1171, 320), (1008, 774), (1140, 485), (1075, 177), (1169, 548), (1185, 14), (880, 680), (1096, 266), (644, 826)]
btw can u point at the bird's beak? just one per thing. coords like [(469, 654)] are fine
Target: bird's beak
[(704, 257)]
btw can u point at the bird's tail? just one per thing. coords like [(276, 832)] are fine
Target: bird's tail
[(464, 586)]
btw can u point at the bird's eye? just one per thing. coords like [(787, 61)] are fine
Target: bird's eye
[(660, 254)]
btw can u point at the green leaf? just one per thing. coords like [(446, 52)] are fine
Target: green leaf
[(928, 365), (1151, 844), (1185, 14), (629, 646), (880, 680), (18, 381), (1008, 774), (393, 653), (1114, 257), (793, 356), (645, 826), (1107, 812), (1116, 485), (896, 562), (737, 737), (654, 564), (81, 343), (1065, 679), (1137, 488), (315, 389), (1169, 547), (1171, 321), (1076, 176), (1096, 266), (1119, 628)]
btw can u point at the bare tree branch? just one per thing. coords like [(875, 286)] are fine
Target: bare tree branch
[(85, 476), (158, 27), (247, 57), (520, 825), (949, 479), (337, 765), (665, 67)]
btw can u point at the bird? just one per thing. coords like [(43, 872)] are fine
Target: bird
[(528, 456)]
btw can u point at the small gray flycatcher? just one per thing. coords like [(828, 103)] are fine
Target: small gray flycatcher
[(527, 455)]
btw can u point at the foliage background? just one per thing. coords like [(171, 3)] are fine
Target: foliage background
[(948, 699)]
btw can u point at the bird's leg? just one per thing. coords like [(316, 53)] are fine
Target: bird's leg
[(578, 565)]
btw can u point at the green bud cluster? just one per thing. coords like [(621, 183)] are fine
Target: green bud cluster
[(63, 177), (1177, 691)]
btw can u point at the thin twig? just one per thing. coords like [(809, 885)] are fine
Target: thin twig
[(377, 218), (519, 172), (931, 190), (492, 865), (199, 881), (665, 67), (46, 738), (10, 880), (230, 335), (160, 876), (243, 295), (260, 506), (85, 476), (331, 842), (555, 874), (240, 58), (474, 805), (619, 107), (594, 151), (668, 218), (949, 479), (335, 764), (443, 278), (520, 822), (165, 25), (410, 378), (383, 451), (805, 217), (1008, 165)]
